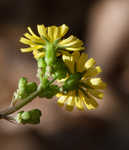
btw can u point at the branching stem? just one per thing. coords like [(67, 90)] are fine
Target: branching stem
[(4, 113)]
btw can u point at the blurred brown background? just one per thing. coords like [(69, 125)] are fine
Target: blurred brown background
[(104, 26)]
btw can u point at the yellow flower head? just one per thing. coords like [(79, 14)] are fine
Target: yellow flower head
[(87, 87), (51, 34)]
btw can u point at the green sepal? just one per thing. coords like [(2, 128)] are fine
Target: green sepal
[(60, 70), (49, 91), (72, 82)]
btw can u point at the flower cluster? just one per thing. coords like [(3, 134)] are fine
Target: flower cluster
[(74, 71), (63, 70)]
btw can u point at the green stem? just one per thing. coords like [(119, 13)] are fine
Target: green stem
[(52, 80), (20, 104)]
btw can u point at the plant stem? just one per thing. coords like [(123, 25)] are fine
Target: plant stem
[(20, 104), (52, 80)]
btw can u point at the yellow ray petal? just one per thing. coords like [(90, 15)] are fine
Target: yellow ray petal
[(88, 101), (51, 30), (79, 103), (90, 63), (29, 29), (70, 103), (97, 83), (42, 30), (38, 54), (94, 71), (59, 94), (56, 33), (96, 93), (75, 49), (33, 39), (67, 40), (69, 62), (74, 43), (30, 49), (62, 100), (80, 65), (76, 56), (64, 52), (63, 30), (26, 41), (98, 69)]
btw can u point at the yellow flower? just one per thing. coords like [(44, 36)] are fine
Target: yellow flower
[(51, 34), (88, 87)]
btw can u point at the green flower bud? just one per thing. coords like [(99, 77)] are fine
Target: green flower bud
[(22, 85), (30, 117), (49, 92), (25, 116), (24, 89), (72, 82), (35, 116), (18, 117), (50, 54), (59, 69), (31, 87)]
